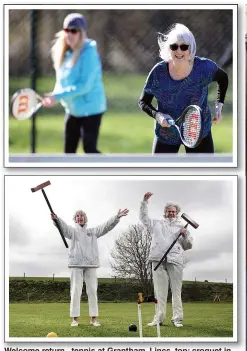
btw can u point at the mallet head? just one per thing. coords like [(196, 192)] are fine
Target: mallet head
[(189, 220), (40, 186)]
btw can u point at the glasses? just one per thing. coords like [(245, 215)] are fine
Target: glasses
[(183, 47), (71, 30)]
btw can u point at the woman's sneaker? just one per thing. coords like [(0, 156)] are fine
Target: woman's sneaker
[(154, 322), (95, 323), (74, 323)]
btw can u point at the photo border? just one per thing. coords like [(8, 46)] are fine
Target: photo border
[(236, 267), (106, 161)]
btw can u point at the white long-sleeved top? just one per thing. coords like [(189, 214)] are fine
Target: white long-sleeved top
[(83, 248), (164, 232)]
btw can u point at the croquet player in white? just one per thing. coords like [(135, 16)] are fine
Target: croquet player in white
[(164, 232), (84, 260)]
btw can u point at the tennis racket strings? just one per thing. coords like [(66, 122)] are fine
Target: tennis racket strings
[(191, 127)]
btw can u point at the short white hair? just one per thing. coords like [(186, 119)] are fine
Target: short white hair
[(171, 204), (83, 213), (178, 32)]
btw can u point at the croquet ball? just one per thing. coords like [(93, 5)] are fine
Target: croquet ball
[(132, 328), (51, 335)]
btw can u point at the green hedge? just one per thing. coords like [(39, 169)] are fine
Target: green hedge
[(59, 291)]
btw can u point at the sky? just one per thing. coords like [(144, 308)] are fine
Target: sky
[(34, 246)]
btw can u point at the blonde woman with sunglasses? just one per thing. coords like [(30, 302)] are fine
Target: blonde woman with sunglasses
[(79, 85), (179, 80)]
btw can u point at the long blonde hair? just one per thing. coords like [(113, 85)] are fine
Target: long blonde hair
[(60, 47)]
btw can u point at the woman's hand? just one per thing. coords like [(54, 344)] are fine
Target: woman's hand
[(217, 113), (162, 119), (54, 217), (147, 196), (183, 231), (48, 100), (122, 213)]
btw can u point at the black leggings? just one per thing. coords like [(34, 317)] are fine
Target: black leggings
[(206, 146), (85, 127)]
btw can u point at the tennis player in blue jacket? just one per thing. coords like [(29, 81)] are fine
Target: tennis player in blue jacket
[(79, 85), (180, 80)]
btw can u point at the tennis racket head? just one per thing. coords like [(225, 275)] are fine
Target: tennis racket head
[(190, 126), (24, 103)]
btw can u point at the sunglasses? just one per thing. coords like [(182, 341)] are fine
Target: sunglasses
[(71, 30), (183, 47)]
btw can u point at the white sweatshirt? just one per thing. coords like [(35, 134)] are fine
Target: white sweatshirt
[(83, 248), (164, 232)]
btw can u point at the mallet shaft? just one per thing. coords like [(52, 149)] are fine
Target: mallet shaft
[(167, 252), (56, 221), (61, 233), (47, 201), (40, 187)]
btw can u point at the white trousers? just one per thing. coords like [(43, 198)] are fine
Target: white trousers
[(165, 274), (77, 275)]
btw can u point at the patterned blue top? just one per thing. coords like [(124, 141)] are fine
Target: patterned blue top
[(173, 96)]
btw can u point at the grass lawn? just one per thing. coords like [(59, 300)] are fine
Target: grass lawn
[(37, 320), (122, 90), (125, 129), (124, 133)]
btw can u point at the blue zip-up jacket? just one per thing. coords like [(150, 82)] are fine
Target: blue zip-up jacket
[(80, 88)]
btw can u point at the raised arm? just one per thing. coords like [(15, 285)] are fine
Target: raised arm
[(144, 218), (67, 230), (108, 225)]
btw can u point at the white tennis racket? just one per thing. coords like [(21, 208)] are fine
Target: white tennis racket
[(190, 126), (25, 103)]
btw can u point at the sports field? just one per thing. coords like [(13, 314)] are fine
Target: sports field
[(125, 129), (37, 320)]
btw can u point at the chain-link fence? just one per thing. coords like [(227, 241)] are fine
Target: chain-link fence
[(127, 39)]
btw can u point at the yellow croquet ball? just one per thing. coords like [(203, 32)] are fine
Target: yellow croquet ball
[(51, 335)]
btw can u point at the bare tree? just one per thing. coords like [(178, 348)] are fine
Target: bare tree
[(130, 256)]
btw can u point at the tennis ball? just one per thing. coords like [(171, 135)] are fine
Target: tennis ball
[(51, 335)]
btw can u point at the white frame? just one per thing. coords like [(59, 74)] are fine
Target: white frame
[(39, 160), (236, 268)]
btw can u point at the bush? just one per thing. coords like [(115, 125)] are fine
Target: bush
[(59, 291)]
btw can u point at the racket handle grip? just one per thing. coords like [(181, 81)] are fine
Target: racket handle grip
[(171, 122)]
